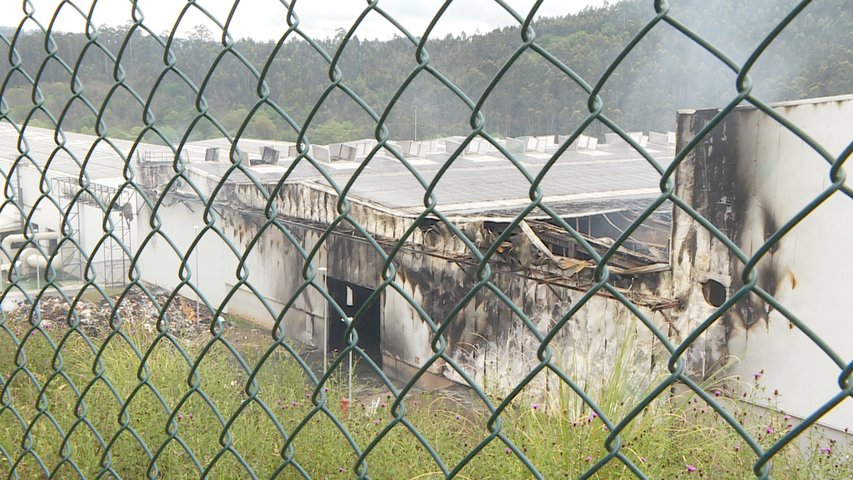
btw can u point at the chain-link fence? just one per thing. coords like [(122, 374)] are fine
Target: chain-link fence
[(175, 306)]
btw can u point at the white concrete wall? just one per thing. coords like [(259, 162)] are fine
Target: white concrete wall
[(813, 261), (749, 177), (274, 268)]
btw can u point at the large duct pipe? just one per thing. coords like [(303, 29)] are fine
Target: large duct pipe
[(18, 237), (30, 257)]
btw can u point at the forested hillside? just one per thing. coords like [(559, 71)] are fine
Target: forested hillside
[(666, 71)]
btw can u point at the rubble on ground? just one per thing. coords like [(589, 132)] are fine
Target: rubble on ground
[(136, 311)]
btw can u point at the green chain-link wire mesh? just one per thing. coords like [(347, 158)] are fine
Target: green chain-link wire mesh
[(57, 460)]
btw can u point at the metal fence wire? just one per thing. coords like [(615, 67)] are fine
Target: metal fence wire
[(81, 384)]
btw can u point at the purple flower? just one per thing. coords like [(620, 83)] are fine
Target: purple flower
[(756, 375), (534, 406), (717, 393), (507, 450), (458, 417), (769, 429), (180, 416), (190, 415), (826, 450), (786, 417), (737, 448), (690, 468), (588, 458), (643, 460), (340, 469)]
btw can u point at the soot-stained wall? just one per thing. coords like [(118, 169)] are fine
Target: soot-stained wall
[(750, 177)]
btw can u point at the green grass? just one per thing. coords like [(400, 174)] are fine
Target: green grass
[(559, 435)]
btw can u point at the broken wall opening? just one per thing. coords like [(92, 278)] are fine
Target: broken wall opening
[(351, 297)]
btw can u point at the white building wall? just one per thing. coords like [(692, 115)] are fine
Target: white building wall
[(812, 262), (750, 176)]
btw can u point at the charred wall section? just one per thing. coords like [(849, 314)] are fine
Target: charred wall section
[(436, 280), (750, 177)]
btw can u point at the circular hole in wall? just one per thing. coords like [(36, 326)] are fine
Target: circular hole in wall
[(714, 292)]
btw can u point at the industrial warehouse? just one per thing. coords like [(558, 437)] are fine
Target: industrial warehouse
[(270, 214)]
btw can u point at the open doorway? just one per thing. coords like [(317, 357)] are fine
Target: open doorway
[(350, 298)]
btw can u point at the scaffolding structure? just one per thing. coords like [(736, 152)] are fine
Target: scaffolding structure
[(110, 255)]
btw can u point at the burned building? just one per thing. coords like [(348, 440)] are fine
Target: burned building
[(489, 309), (451, 263)]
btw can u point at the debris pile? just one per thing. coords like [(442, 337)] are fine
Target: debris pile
[(135, 311)]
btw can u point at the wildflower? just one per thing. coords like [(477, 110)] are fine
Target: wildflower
[(717, 393), (340, 469), (507, 450), (326, 389), (180, 416), (588, 458), (737, 448), (690, 468), (190, 415), (534, 406), (826, 450), (786, 417), (643, 459), (458, 417), (769, 429)]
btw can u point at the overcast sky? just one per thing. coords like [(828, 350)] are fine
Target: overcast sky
[(265, 19)]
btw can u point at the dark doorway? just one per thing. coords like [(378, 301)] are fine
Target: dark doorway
[(350, 298)]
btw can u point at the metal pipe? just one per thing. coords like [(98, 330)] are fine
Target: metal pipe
[(325, 320), (198, 280), (349, 383), (19, 237)]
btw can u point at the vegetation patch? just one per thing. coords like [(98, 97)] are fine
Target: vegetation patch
[(136, 403)]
